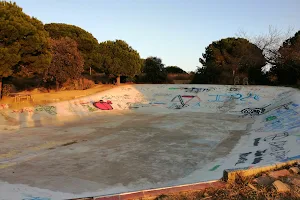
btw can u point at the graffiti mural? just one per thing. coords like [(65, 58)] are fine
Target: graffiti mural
[(102, 105)]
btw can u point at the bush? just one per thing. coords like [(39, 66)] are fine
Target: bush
[(81, 84), (8, 89)]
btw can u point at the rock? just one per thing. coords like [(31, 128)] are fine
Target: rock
[(252, 187), (294, 170), (206, 194), (296, 181), (281, 187), (264, 181), (279, 173)]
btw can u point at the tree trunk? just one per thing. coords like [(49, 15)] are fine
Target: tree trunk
[(118, 80), (1, 88), (57, 85)]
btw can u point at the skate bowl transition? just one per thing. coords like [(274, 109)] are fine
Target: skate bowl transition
[(137, 137)]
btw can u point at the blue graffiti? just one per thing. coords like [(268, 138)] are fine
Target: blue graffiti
[(287, 119), (231, 96), (36, 198)]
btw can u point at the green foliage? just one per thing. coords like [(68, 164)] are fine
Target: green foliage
[(229, 56), (87, 44), (206, 75), (67, 62), (119, 59), (154, 70), (174, 70), (24, 47), (287, 68)]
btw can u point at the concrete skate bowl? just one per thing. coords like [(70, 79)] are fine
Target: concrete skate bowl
[(137, 137)]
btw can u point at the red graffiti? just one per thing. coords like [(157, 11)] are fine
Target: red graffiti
[(102, 105)]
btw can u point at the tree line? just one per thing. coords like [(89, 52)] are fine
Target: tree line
[(58, 52)]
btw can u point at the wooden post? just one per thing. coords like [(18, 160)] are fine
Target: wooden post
[(118, 80)]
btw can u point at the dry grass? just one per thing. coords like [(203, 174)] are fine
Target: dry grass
[(237, 191), (40, 98)]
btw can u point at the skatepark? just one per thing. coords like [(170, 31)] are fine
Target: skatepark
[(136, 137)]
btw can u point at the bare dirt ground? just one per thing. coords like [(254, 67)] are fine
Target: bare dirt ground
[(40, 98)]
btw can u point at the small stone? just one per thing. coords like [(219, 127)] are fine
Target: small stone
[(296, 181), (252, 187), (281, 187), (206, 194), (264, 181), (279, 173), (294, 170)]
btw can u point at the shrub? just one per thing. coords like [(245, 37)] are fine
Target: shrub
[(8, 89)]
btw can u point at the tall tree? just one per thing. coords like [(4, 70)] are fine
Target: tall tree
[(175, 70), (67, 62), (287, 68), (24, 47), (154, 70), (87, 44), (233, 57), (268, 42), (119, 59)]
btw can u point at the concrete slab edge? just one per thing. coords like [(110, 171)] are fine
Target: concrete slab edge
[(229, 175), (158, 191)]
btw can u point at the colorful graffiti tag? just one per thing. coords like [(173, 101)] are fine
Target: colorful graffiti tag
[(232, 96), (102, 105), (48, 109), (182, 101)]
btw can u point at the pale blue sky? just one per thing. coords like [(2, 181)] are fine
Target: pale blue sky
[(175, 30)]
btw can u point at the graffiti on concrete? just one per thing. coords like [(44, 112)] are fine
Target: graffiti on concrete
[(215, 167), (29, 197), (102, 105), (48, 109), (233, 96), (242, 158), (273, 145), (234, 89), (287, 118), (252, 111), (23, 110), (192, 89), (182, 101), (88, 106), (270, 118), (3, 106)]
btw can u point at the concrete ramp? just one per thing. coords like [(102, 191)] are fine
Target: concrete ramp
[(144, 136)]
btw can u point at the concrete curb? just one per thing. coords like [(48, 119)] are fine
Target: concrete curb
[(229, 175)]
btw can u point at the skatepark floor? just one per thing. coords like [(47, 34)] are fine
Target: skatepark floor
[(117, 150)]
